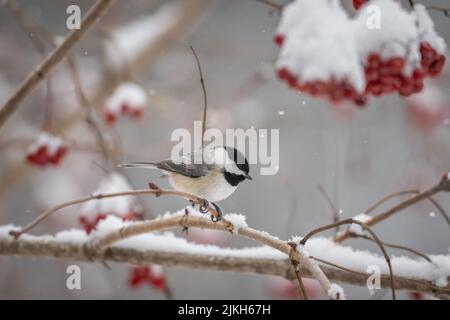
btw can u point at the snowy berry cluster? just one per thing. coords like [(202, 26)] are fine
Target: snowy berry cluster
[(152, 275), (46, 150), (128, 99), (325, 53), (127, 208)]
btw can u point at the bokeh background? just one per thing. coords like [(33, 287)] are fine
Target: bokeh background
[(357, 155)]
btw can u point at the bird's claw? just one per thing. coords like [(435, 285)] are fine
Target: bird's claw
[(203, 206), (219, 213)]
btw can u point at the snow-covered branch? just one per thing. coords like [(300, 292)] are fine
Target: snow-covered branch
[(339, 263)]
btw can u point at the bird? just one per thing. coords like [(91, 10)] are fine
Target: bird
[(212, 175)]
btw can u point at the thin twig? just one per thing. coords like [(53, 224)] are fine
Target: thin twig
[(274, 5), (388, 197), (443, 185), (374, 236), (334, 209), (157, 192), (296, 266), (395, 194), (205, 96), (39, 45), (89, 111), (47, 65), (396, 246), (90, 114)]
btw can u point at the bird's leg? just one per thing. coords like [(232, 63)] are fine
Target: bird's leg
[(203, 205), (185, 229), (219, 212)]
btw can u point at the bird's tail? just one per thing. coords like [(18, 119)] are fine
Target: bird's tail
[(138, 165)]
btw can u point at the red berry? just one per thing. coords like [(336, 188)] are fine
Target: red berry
[(125, 108), (109, 117), (278, 39), (414, 295), (358, 3), (136, 113)]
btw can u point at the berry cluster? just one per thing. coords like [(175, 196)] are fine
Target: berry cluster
[(335, 91), (359, 3), (46, 150), (127, 208), (365, 63), (128, 99), (152, 275), (387, 76)]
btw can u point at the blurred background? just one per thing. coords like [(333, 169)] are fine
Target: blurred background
[(356, 155)]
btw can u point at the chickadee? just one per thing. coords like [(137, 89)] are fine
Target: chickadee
[(212, 178)]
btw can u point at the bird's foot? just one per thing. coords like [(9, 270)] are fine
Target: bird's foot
[(219, 213), (203, 205), (185, 229), (153, 186)]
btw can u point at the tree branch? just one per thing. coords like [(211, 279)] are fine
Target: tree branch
[(104, 242), (374, 236), (264, 266), (41, 71), (443, 185), (153, 190)]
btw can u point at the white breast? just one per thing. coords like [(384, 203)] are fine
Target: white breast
[(212, 187)]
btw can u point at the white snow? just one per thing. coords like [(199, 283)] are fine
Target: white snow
[(397, 36), (238, 221), (120, 206), (312, 29), (336, 292), (131, 41), (321, 42), (426, 30), (127, 94), (437, 272), (356, 228), (52, 143)]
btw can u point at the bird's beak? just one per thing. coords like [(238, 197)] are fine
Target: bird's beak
[(247, 176)]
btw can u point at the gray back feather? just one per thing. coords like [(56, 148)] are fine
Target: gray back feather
[(185, 169)]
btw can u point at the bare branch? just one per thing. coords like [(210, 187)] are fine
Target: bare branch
[(443, 185), (334, 209), (41, 71), (205, 96), (396, 246), (374, 236), (158, 192), (296, 266), (274, 5)]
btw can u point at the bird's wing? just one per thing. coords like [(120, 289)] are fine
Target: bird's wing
[(185, 168), (189, 165)]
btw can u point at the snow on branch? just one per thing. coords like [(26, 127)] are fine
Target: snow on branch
[(166, 249)]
